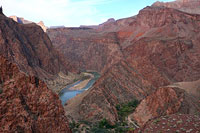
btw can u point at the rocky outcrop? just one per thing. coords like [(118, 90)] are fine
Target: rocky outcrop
[(26, 104), (119, 84), (165, 101), (41, 24), (31, 49), (86, 48), (23, 21), (20, 20), (162, 48), (80, 44), (190, 6), (172, 123)]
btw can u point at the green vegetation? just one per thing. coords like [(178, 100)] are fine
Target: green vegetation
[(1, 90), (75, 80), (74, 125), (104, 125), (125, 109)]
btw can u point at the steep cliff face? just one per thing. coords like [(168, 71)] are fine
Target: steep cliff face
[(28, 50), (166, 101), (119, 84), (26, 104), (190, 6), (94, 47), (86, 48), (31, 49), (165, 51)]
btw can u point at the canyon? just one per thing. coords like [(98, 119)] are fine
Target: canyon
[(34, 53), (159, 47), (27, 59), (166, 53), (86, 48), (149, 67)]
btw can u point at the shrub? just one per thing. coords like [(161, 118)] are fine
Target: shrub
[(1, 90), (73, 125), (105, 124), (125, 109)]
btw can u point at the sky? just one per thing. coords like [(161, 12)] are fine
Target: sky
[(73, 13)]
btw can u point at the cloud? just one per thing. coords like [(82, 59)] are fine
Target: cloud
[(55, 12)]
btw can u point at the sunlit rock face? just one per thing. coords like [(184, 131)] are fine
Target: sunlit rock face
[(24, 21)]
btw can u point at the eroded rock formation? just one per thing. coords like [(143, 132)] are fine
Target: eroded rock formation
[(26, 104), (166, 101), (31, 49), (86, 48), (190, 6), (160, 47), (172, 123), (24, 21)]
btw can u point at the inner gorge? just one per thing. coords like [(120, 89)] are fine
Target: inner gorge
[(98, 66)]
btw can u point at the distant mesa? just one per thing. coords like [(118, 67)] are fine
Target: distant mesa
[(108, 23), (89, 26), (111, 20), (24, 21), (55, 27)]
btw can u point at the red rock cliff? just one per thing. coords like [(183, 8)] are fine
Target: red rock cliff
[(165, 101), (26, 104), (190, 6), (172, 123), (30, 48), (165, 53), (86, 48)]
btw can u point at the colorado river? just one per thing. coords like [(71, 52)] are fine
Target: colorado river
[(67, 94)]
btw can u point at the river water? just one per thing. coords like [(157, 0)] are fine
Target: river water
[(67, 94)]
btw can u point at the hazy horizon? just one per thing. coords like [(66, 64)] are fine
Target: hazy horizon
[(73, 13)]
